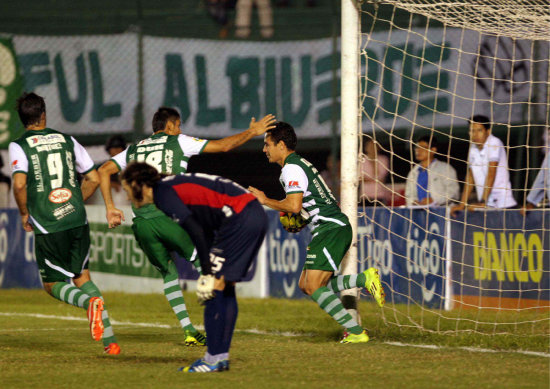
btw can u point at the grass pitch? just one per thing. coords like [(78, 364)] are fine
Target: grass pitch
[(278, 344)]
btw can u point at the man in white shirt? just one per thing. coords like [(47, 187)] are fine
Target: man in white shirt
[(487, 170)]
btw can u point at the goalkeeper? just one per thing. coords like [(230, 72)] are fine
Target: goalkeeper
[(227, 226), (332, 233)]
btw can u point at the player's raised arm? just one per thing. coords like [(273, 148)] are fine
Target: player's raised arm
[(229, 143)]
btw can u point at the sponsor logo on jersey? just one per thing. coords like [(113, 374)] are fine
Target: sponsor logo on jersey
[(40, 140), (14, 163), (150, 141), (60, 195), (293, 184)]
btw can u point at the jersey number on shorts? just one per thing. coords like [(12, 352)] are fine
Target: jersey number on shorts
[(217, 262)]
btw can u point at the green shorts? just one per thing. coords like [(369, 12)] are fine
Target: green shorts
[(326, 250), (64, 254)]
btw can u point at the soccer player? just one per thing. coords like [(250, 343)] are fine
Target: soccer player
[(45, 164), (487, 170), (226, 224), (168, 150), (332, 233)]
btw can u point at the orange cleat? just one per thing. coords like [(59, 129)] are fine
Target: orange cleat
[(95, 310), (112, 349)]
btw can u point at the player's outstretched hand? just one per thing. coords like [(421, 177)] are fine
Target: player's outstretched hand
[(205, 287), (115, 217), (261, 126), (258, 193)]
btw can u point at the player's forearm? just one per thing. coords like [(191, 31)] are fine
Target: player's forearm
[(89, 184), (285, 205), (230, 142), (20, 194), (489, 182), (105, 187)]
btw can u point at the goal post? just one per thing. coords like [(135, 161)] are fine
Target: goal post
[(350, 118), (417, 68)]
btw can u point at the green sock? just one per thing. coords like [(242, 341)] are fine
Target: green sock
[(332, 305), (71, 295), (173, 294), (108, 333), (340, 283)]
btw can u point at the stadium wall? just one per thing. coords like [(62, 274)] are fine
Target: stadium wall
[(420, 255)]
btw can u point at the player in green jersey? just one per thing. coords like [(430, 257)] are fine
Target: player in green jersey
[(169, 151), (45, 164), (331, 231)]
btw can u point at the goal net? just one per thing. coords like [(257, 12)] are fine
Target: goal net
[(426, 68)]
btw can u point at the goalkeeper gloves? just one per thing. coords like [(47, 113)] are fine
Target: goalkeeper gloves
[(205, 287)]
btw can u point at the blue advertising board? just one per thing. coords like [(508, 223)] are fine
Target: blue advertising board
[(501, 257), (18, 267), (286, 254), (408, 246)]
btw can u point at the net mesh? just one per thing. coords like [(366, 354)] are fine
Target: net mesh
[(427, 68)]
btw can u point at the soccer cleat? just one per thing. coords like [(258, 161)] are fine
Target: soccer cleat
[(95, 309), (112, 349), (355, 338), (201, 366), (374, 286), (194, 339)]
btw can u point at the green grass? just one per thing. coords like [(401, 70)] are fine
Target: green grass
[(49, 352)]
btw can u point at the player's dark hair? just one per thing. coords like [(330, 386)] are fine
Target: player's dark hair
[(481, 119), (163, 116), (138, 174), (283, 132), (115, 141), (429, 139), (30, 108)]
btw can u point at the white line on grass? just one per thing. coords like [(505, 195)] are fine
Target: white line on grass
[(286, 334)]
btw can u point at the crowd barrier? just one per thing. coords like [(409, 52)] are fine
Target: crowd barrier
[(422, 255)]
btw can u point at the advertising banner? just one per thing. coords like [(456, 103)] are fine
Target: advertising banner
[(408, 246), (11, 87), (18, 267), (501, 258), (92, 83), (286, 255)]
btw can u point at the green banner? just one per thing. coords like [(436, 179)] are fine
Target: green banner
[(11, 87)]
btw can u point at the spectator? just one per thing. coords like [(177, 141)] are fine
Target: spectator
[(331, 175), (487, 170), (286, 3), (115, 144), (541, 185), (243, 18), (374, 170), (5, 186), (218, 10), (431, 181)]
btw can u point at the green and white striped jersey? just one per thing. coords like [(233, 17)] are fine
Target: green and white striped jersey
[(169, 154), (51, 161), (300, 176)]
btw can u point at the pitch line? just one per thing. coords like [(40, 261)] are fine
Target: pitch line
[(285, 334)]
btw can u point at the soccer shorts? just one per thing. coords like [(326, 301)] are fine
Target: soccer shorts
[(237, 242), (64, 254), (327, 249)]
